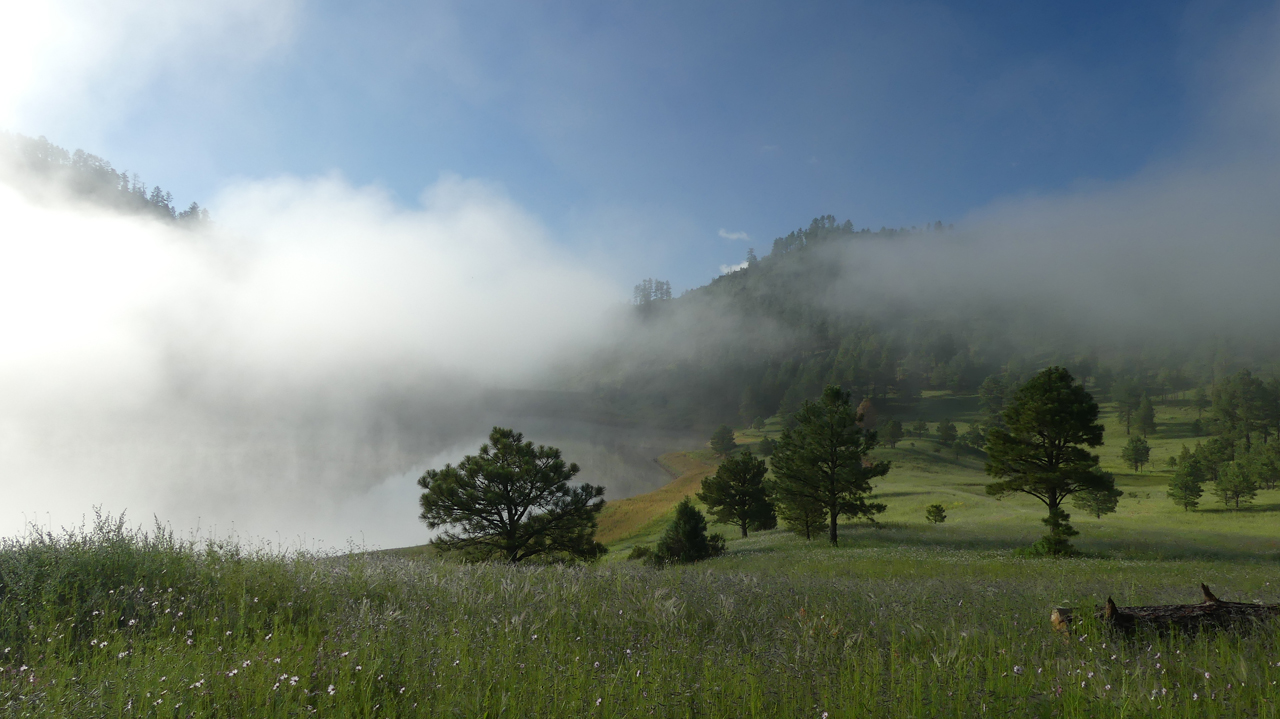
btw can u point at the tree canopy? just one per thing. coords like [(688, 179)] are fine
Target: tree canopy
[(722, 441), (685, 539), (512, 500), (736, 493), (823, 462), (1136, 452), (1041, 451)]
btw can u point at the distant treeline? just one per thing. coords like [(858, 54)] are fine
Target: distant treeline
[(29, 161), (826, 228)]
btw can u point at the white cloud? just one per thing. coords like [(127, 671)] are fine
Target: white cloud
[(63, 56), (289, 372), (726, 269), (733, 235)]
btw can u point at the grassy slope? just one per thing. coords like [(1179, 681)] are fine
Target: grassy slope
[(1145, 525), (904, 620)]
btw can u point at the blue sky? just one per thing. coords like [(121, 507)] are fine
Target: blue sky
[(636, 131)]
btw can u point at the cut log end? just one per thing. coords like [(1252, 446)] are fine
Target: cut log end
[(1061, 620)]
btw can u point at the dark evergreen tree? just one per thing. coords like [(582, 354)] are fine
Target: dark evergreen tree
[(822, 462), (1187, 485), (1097, 501), (1145, 417), (947, 432), (920, 428), (512, 500), (736, 493), (893, 433), (1042, 451), (686, 538), (765, 447), (974, 437), (991, 398), (935, 513), (1136, 452), (802, 515), (1234, 486), (1200, 401), (722, 441)]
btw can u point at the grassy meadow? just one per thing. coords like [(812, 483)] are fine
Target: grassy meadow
[(904, 619)]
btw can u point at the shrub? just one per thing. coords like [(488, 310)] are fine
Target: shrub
[(640, 552), (686, 539)]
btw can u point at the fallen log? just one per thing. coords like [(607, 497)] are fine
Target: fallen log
[(1212, 613)]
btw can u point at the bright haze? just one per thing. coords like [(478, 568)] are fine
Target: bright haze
[(420, 206)]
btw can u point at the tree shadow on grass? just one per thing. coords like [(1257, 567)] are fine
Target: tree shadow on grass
[(1133, 545), (1255, 508)]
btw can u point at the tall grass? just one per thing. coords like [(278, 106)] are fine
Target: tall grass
[(110, 621)]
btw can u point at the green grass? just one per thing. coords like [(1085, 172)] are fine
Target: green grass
[(903, 619), (776, 628)]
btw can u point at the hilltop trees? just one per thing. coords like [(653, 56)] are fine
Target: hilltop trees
[(736, 493), (822, 463), (650, 291), (512, 500), (1042, 451)]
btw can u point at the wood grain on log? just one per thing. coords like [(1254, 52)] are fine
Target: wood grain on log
[(1212, 613)]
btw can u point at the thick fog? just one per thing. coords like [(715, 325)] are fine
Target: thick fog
[(290, 370)]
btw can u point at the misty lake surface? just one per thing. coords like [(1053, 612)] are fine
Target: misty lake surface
[(621, 459)]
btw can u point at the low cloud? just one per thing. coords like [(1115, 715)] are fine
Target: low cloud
[(286, 373), (726, 269), (63, 56)]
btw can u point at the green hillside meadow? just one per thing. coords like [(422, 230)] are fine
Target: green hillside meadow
[(904, 619)]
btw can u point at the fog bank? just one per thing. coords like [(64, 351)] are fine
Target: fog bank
[(288, 371)]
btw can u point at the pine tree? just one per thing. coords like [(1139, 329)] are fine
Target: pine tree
[(821, 462), (1234, 486), (1186, 487), (935, 513), (1042, 452), (686, 538), (1145, 419), (947, 432), (512, 500), (920, 428), (736, 493), (1097, 501), (722, 441), (893, 433), (1136, 452)]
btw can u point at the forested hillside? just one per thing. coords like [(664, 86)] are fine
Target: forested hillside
[(38, 166), (758, 341)]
